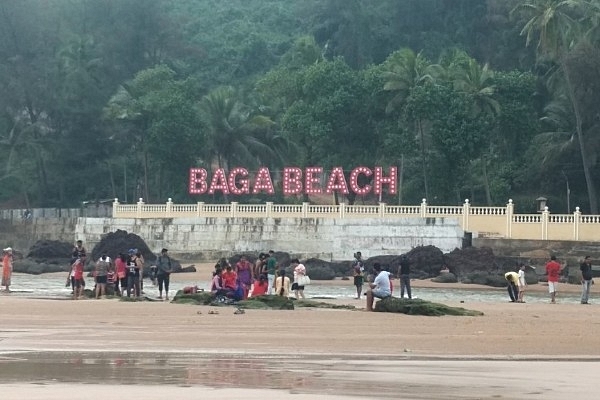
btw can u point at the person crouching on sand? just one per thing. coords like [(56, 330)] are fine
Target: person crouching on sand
[(512, 278)]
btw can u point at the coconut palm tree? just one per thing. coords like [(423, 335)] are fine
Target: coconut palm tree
[(406, 70), (558, 25)]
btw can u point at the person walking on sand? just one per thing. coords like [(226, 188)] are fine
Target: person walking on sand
[(380, 287), (243, 269), (405, 276), (522, 283), (299, 274), (7, 268), (358, 271), (133, 273), (553, 272), (163, 273), (512, 278), (586, 279)]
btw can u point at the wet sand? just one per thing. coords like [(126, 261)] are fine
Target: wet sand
[(514, 351)]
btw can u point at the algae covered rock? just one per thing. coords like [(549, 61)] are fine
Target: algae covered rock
[(200, 298), (321, 304), (447, 277), (267, 302), (420, 307)]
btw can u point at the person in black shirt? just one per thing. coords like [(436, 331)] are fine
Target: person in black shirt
[(405, 277), (586, 279)]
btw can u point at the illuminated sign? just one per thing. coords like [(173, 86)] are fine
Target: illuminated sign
[(295, 181)]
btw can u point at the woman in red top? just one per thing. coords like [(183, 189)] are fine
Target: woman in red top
[(121, 270), (78, 277), (260, 287), (229, 279)]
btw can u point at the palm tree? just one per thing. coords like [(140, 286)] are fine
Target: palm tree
[(558, 25), (235, 132), (406, 70)]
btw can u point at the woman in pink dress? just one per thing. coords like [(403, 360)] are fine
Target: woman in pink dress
[(243, 268)]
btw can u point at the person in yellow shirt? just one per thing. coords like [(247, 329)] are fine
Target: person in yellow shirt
[(282, 284), (513, 280)]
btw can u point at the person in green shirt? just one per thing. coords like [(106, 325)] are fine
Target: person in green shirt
[(271, 267)]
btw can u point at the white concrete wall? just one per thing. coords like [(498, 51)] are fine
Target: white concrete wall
[(335, 239)]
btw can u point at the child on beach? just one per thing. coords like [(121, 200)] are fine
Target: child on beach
[(522, 283), (7, 268)]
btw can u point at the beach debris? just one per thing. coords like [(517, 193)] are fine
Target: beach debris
[(239, 311), (213, 312)]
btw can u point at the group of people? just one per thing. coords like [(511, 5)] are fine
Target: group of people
[(265, 276), (517, 282), (125, 274)]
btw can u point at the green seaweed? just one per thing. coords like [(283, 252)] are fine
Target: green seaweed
[(321, 304), (421, 307)]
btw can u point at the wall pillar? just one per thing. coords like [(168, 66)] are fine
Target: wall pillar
[(169, 212), (576, 223), (140, 203), (510, 210), (423, 208)]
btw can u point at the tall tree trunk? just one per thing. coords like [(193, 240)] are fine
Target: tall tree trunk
[(423, 158), (486, 181), (584, 158)]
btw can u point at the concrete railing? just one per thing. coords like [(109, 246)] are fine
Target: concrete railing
[(498, 222)]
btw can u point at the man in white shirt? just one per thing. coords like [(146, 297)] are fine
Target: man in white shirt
[(380, 287)]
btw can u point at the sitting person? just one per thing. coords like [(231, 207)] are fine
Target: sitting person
[(216, 287), (282, 284), (380, 287), (229, 278), (261, 286)]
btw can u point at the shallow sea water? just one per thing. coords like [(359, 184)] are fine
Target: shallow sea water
[(53, 286)]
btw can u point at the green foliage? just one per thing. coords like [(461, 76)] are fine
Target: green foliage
[(421, 307)]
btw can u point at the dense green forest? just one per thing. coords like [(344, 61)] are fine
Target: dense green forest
[(480, 99)]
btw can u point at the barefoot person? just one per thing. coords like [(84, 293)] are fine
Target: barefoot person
[(586, 279), (7, 268), (512, 279), (101, 273), (522, 283), (299, 274), (358, 270), (380, 287), (163, 273), (553, 271)]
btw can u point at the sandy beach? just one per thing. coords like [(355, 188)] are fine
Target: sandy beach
[(530, 337)]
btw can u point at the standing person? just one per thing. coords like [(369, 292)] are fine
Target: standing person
[(7, 268), (141, 263), (77, 268), (513, 280), (380, 287), (522, 283), (405, 276), (101, 272), (79, 251), (259, 264), (243, 269), (133, 273), (358, 270), (121, 271), (282, 284), (164, 268), (271, 267), (299, 272), (586, 279), (553, 271)]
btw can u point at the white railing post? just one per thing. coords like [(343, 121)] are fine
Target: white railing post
[(269, 209), (305, 209), (169, 208), (465, 218), (200, 208), (382, 210), (423, 208), (342, 210), (140, 203), (234, 210), (510, 210), (576, 221), (545, 217), (115, 206)]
